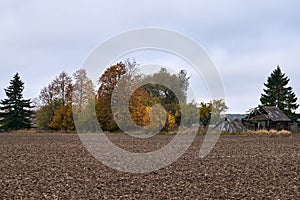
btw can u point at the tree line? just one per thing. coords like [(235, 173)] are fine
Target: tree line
[(53, 109)]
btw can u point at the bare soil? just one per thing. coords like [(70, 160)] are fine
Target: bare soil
[(57, 166)]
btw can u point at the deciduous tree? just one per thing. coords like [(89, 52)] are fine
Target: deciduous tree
[(63, 119), (218, 107), (56, 97), (189, 114), (211, 112), (109, 79), (83, 90)]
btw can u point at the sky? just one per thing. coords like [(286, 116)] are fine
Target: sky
[(245, 39)]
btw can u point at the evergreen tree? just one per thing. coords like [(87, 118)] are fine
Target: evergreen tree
[(15, 111), (278, 93)]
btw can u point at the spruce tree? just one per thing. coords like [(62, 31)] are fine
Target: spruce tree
[(278, 93), (15, 111)]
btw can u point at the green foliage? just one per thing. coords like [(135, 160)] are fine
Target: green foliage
[(278, 93), (174, 88), (15, 111), (45, 114), (169, 90), (171, 95), (189, 114)]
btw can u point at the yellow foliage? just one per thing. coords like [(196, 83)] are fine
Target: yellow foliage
[(139, 110), (171, 122), (63, 118)]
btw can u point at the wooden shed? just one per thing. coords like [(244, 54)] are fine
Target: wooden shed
[(267, 117)]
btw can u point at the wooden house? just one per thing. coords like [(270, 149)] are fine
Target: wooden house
[(267, 117)]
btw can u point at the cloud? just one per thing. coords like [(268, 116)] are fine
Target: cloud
[(246, 39)]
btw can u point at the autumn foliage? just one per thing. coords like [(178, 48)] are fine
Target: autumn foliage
[(55, 109), (156, 101)]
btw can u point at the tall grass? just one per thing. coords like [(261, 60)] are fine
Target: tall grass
[(271, 132)]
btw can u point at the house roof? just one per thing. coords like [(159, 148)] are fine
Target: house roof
[(275, 114), (267, 112)]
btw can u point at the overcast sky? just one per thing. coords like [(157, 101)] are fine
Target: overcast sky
[(245, 39)]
